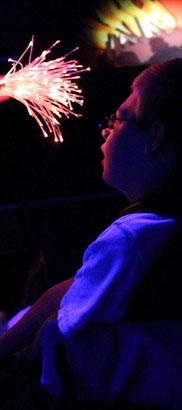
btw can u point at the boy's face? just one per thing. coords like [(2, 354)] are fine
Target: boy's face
[(123, 149)]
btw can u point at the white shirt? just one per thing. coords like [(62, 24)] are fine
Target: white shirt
[(134, 361)]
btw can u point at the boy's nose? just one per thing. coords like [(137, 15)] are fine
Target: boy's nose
[(105, 133)]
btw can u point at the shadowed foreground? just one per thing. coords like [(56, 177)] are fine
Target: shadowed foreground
[(21, 389)]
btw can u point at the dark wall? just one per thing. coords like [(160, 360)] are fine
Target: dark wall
[(61, 229)]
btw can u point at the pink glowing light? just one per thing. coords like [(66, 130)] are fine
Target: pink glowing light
[(47, 88)]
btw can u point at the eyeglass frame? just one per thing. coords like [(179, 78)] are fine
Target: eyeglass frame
[(113, 118)]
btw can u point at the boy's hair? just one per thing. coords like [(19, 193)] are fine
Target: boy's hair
[(159, 90)]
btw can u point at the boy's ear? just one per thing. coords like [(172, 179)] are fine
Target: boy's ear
[(156, 138)]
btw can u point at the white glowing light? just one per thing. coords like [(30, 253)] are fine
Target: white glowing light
[(46, 88)]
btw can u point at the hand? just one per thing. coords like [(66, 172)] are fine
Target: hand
[(4, 98)]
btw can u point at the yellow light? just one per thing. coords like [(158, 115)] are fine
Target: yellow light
[(128, 19)]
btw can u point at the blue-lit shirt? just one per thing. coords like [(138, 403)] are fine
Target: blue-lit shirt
[(129, 360)]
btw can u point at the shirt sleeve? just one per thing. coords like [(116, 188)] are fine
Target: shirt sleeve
[(112, 267)]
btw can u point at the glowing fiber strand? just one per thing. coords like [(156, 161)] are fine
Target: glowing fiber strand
[(47, 88)]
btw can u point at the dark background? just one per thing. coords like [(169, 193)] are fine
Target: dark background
[(52, 196)]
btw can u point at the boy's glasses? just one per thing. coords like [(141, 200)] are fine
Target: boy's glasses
[(111, 121)]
